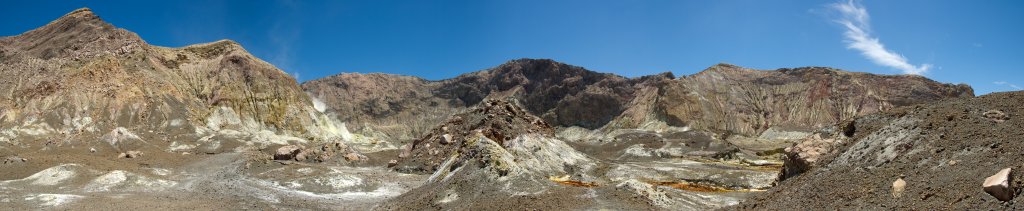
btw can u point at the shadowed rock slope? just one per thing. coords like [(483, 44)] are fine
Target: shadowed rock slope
[(725, 99)]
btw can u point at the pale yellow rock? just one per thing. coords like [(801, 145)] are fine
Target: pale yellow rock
[(897, 187)]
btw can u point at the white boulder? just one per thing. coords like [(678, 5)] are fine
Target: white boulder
[(1000, 185)]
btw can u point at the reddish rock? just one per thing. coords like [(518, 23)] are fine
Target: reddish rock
[(287, 152)]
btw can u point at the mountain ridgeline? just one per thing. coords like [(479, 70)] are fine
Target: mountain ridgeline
[(92, 117), (724, 98)]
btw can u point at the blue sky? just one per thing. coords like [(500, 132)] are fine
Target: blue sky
[(980, 43)]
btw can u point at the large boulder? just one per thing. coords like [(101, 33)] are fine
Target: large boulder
[(287, 152)]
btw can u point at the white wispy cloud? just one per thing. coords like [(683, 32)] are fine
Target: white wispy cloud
[(1004, 83), (855, 19), (283, 35)]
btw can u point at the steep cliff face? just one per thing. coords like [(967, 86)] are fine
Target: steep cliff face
[(79, 76), (725, 99)]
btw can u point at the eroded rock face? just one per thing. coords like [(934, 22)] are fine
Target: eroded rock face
[(724, 98), (745, 101), (79, 77)]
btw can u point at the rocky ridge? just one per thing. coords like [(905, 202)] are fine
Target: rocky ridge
[(93, 117), (79, 78), (728, 100)]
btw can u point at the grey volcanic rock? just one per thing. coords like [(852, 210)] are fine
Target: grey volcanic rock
[(943, 151), (499, 121)]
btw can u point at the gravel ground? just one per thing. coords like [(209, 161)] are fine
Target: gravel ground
[(944, 151)]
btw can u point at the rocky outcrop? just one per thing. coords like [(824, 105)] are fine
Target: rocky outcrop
[(79, 75), (725, 99), (494, 148), (498, 121), (501, 127)]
